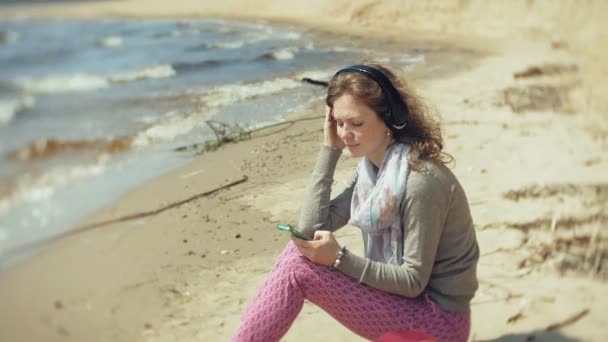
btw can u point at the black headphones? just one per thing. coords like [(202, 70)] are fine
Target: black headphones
[(396, 117)]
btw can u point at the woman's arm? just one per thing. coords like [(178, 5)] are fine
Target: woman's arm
[(318, 211)]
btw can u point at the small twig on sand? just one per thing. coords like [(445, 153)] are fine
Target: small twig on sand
[(507, 298), (572, 319)]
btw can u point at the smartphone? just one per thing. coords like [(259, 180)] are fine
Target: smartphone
[(294, 232)]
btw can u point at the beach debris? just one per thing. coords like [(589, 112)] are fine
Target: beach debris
[(226, 133), (545, 69), (63, 331), (519, 313), (557, 43), (58, 305), (548, 190), (237, 235), (538, 97), (315, 82), (569, 320)]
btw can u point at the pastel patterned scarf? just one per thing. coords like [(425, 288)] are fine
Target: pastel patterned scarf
[(376, 203)]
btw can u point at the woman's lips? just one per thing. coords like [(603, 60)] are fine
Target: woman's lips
[(351, 146)]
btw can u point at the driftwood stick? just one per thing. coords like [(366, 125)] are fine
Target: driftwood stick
[(156, 211), (572, 319), (315, 82), (40, 243)]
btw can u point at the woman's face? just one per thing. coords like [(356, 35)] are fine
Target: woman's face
[(360, 128)]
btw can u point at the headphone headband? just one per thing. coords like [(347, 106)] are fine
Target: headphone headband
[(396, 117)]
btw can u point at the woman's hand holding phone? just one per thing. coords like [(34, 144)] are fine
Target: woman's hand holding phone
[(323, 249), (330, 131)]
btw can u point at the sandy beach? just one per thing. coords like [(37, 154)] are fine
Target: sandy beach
[(520, 92)]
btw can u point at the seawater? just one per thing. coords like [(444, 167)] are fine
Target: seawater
[(90, 109)]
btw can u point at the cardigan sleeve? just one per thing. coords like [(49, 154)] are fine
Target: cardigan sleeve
[(319, 212)]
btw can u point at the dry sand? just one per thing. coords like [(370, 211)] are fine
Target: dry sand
[(530, 152)]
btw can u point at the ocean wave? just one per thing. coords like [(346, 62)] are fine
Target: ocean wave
[(11, 107), (280, 54), (170, 127), (88, 82), (223, 45), (31, 188), (186, 66), (232, 93), (46, 148), (157, 71)]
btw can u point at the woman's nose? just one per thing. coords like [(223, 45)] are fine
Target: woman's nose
[(345, 132)]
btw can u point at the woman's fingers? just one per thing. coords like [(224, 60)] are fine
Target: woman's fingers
[(321, 235)]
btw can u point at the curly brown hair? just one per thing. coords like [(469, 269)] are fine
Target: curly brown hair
[(422, 131)]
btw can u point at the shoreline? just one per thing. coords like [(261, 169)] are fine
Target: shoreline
[(187, 273)]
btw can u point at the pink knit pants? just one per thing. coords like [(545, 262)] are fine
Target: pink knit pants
[(368, 312)]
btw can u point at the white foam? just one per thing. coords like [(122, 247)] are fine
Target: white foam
[(285, 53), (157, 71), (34, 188), (291, 35), (60, 84), (110, 42), (86, 82), (227, 45), (10, 107), (233, 93), (170, 127)]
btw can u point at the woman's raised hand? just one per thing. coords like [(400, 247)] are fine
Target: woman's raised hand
[(330, 131)]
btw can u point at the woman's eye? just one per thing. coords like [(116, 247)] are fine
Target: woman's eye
[(358, 124), (340, 124)]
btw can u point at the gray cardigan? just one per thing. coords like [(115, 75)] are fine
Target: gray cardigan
[(440, 248)]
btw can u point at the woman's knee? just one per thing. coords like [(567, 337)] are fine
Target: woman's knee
[(290, 258)]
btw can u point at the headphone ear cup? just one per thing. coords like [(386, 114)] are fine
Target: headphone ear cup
[(388, 118)]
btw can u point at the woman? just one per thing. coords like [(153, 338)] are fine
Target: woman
[(418, 273)]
